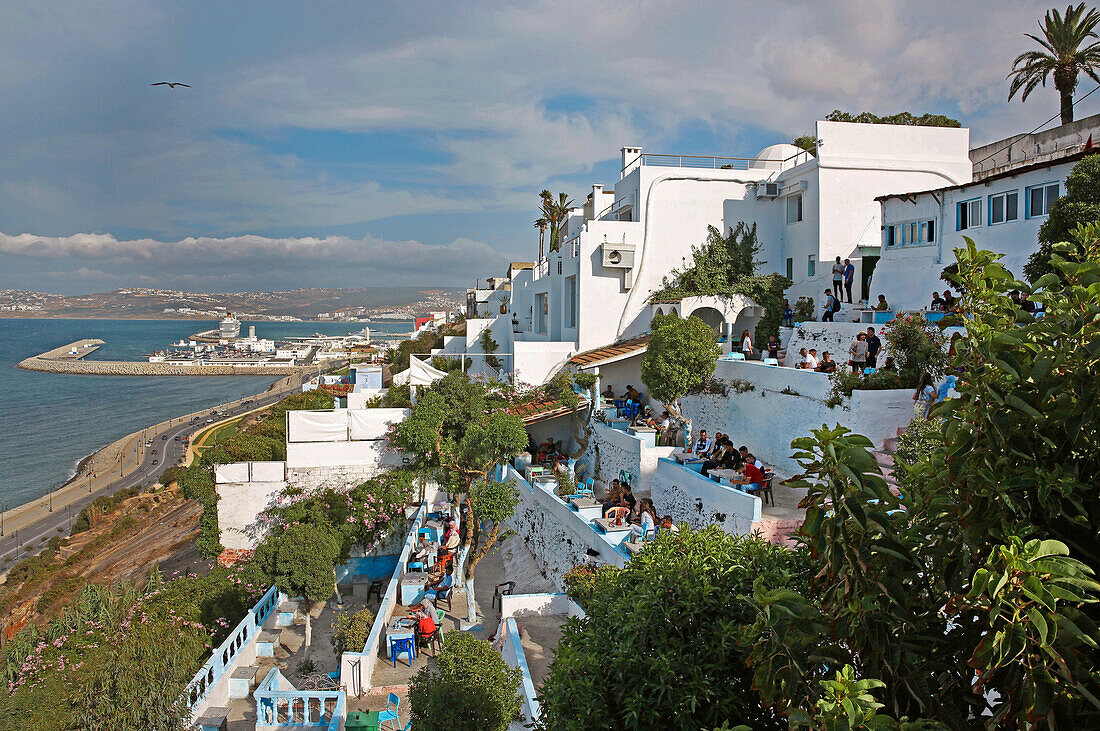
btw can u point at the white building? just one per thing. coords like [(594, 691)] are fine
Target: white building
[(618, 247), (1001, 210)]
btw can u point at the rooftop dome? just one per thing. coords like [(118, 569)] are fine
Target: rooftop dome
[(776, 153)]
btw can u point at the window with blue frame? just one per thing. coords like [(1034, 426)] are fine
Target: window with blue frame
[(811, 265), (1003, 207), (911, 233), (968, 214), (1040, 198)]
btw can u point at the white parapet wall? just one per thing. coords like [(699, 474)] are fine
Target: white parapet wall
[(614, 450), (786, 403), (559, 537), (339, 448), (835, 337), (245, 489), (700, 501)]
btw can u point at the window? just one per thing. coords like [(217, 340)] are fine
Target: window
[(559, 267), (911, 233), (571, 301), (794, 208), (790, 269), (968, 214), (1002, 207), (1040, 198), (811, 265)]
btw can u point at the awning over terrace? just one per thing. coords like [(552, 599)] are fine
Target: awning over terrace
[(610, 353)]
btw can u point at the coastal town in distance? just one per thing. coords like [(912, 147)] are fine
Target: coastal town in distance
[(710, 367)]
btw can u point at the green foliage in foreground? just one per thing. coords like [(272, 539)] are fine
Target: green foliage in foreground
[(470, 687), (661, 637)]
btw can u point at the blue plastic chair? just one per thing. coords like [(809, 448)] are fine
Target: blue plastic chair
[(400, 645), (771, 361), (737, 356), (390, 714), (416, 565), (868, 371)]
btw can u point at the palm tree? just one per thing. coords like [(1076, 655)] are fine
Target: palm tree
[(555, 212), (1065, 56), (541, 223)]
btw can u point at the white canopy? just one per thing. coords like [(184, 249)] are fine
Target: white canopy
[(419, 373)]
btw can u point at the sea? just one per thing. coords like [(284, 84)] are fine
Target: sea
[(50, 421)]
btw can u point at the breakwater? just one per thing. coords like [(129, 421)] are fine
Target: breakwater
[(58, 360)]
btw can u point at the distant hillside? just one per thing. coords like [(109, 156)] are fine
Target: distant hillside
[(140, 303)]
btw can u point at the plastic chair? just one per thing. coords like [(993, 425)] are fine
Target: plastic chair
[(771, 361), (737, 356), (444, 595), (443, 561), (617, 513), (509, 587), (868, 371), (402, 644), (390, 715), (416, 566)]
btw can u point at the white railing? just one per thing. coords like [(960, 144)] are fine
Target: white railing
[(279, 705)]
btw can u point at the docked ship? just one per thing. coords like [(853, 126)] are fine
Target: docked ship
[(230, 327)]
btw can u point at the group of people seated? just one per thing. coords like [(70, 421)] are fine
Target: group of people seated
[(946, 303), (642, 515), (807, 360), (719, 453)]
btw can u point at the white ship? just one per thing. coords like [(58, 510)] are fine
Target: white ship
[(229, 327)]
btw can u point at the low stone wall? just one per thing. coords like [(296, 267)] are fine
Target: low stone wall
[(699, 501), (338, 477), (51, 362)]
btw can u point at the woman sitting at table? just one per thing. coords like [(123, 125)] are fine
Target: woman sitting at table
[(647, 518)]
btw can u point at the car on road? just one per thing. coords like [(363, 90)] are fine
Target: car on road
[(153, 452), (164, 438), (154, 462), (177, 437)]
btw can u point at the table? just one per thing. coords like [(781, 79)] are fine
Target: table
[(412, 587), (731, 475), (608, 525), (400, 628), (532, 472), (647, 434), (580, 503), (686, 457)]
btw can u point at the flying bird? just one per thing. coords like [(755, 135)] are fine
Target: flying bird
[(171, 84)]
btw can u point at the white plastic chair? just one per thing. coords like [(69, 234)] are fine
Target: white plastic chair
[(738, 356), (771, 361)]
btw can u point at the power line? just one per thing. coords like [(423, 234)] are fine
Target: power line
[(1044, 124)]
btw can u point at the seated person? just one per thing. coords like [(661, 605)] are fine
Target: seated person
[(727, 459), (614, 492), (441, 586), (1025, 304), (647, 518), (773, 347), (424, 614), (801, 358), (546, 449), (423, 549), (948, 301), (883, 305), (450, 539), (632, 394), (667, 524), (811, 360), (702, 444), (609, 393), (625, 499), (827, 364), (937, 303), (753, 474), (749, 457)]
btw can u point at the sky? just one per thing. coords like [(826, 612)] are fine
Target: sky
[(357, 144)]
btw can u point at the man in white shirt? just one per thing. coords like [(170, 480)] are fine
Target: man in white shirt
[(811, 360)]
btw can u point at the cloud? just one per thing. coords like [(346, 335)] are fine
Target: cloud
[(210, 264)]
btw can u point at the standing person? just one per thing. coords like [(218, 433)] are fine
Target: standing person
[(849, 276), (829, 307), (874, 347), (746, 346), (788, 314), (838, 275), (858, 353), (773, 347)]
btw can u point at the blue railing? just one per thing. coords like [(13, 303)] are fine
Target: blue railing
[(278, 708), (225, 655)]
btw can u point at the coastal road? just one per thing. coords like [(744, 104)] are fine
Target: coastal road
[(25, 529)]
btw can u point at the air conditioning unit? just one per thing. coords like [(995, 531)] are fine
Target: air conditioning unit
[(618, 256), (767, 190)]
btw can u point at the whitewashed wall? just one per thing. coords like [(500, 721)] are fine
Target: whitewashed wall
[(245, 489), (835, 337), (616, 450), (766, 419), (558, 537), (700, 501)]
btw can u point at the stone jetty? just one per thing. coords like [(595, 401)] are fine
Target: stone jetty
[(61, 360)]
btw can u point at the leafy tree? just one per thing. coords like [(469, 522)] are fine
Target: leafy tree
[(469, 687), (916, 346), (726, 266), (808, 143), (660, 639), (1064, 55), (679, 359), (300, 560), (1080, 205), (554, 214), (397, 396), (422, 344), (489, 346), (921, 437), (902, 118), (460, 432)]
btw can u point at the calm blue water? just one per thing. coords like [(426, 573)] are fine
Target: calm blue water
[(50, 421)]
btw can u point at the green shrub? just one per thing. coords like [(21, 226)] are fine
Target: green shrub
[(580, 581), (804, 309), (470, 687), (351, 631)]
